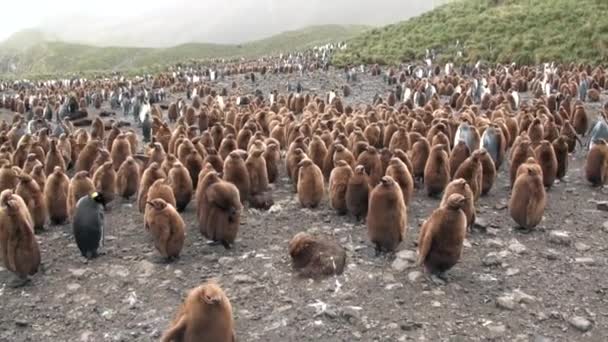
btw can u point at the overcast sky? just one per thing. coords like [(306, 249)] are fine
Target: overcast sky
[(166, 22)]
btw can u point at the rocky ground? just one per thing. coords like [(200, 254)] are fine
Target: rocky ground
[(547, 285)]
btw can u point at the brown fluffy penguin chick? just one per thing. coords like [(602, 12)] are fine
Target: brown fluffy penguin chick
[(160, 189), (150, 175), (206, 179), (205, 315), (121, 149), (421, 149), (19, 248), (545, 155), (488, 173), (386, 216), (316, 256), (8, 177), (223, 213), (272, 156), (560, 147), (235, 172), (87, 156), (258, 172), (399, 172), (460, 186), (357, 193), (370, 159), (442, 236), (436, 171), (31, 194), (56, 196), (528, 198), (38, 175), (127, 178), (317, 151), (310, 184), (81, 185), (519, 155), (596, 165), (166, 227), (54, 158), (338, 185), (471, 170), (181, 183), (104, 180), (459, 154)]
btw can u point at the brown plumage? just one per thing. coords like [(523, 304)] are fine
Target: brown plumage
[(528, 198), (317, 151), (166, 227), (8, 177), (127, 178), (399, 172), (488, 173), (310, 185), (596, 165), (421, 150), (38, 175), (206, 315), (121, 149), (442, 235), (560, 147), (54, 158), (104, 180), (32, 195), (545, 155), (459, 154), (222, 212), (370, 159), (436, 171), (87, 156), (150, 175), (316, 256), (18, 246), (471, 170), (181, 184), (81, 185), (357, 193), (272, 156), (257, 171), (160, 189), (235, 172), (338, 185), (520, 153), (461, 187), (56, 196), (386, 216)]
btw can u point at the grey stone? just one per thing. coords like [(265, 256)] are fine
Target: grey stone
[(22, 322), (551, 254), (581, 247), (414, 276), (78, 272), (497, 330), (540, 338), (505, 302), (481, 223), (495, 243), (522, 297), (605, 227), (491, 259), (243, 279), (407, 255), (73, 287), (400, 265), (585, 261), (225, 261), (512, 271), (145, 268), (580, 323), (118, 271), (517, 247), (560, 237), (603, 205)]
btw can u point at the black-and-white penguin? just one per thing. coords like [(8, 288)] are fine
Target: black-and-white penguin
[(88, 224)]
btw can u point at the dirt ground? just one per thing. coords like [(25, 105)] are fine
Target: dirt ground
[(547, 285)]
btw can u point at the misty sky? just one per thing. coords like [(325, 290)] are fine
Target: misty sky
[(167, 23)]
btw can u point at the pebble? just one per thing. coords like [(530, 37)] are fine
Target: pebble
[(480, 222), (560, 237), (581, 247), (512, 271), (603, 205), (414, 276), (400, 265), (78, 272), (605, 227), (73, 287), (118, 271), (495, 243), (145, 268), (517, 247), (551, 254), (491, 259), (407, 255), (225, 260), (435, 304), (585, 261), (21, 322), (540, 338), (522, 297), (580, 323), (505, 302), (497, 330), (243, 279)]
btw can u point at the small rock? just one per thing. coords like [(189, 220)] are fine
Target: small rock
[(517, 247), (494, 243), (435, 304), (603, 206), (522, 297), (605, 227), (399, 265), (505, 302), (481, 223), (225, 260), (580, 323), (501, 206), (118, 271), (414, 276), (540, 338), (78, 272), (497, 330), (86, 336), (551, 254), (21, 322), (145, 268), (409, 326), (581, 247), (108, 314), (73, 287), (585, 261), (560, 237), (407, 255), (243, 279), (512, 271), (392, 326), (491, 259)]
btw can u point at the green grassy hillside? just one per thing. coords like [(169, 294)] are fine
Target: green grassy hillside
[(33, 55), (522, 31)]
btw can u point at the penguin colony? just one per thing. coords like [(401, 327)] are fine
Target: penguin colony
[(222, 154)]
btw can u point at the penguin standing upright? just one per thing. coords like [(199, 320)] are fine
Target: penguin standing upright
[(88, 224), (146, 127)]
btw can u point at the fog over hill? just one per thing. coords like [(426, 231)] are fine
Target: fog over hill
[(168, 23)]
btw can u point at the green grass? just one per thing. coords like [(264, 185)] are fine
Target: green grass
[(41, 58), (521, 31)]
